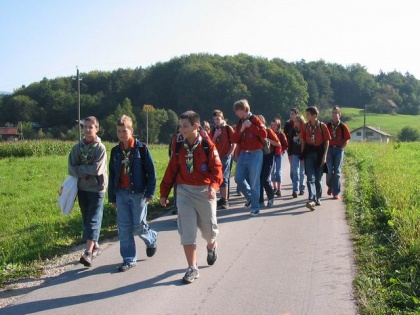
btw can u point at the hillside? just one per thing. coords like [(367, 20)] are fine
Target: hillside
[(388, 123)]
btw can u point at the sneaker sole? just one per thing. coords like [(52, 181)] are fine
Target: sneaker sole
[(312, 208), (254, 214), (85, 262), (189, 281)]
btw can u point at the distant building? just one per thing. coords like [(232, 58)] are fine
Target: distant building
[(9, 133), (369, 134)]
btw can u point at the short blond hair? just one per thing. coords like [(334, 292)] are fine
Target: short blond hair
[(242, 104), (125, 121)]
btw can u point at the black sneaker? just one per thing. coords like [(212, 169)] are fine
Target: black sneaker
[(211, 256), (219, 203), (294, 195), (248, 204), (278, 193), (175, 210), (301, 193), (224, 204), (317, 203), (151, 251), (86, 259), (190, 275), (126, 266)]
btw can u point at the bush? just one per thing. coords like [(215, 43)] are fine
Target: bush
[(408, 134)]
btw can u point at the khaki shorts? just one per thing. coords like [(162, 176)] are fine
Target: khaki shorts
[(195, 210)]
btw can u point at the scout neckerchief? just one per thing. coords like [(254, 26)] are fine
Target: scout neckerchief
[(126, 153), (85, 155), (334, 129), (190, 155), (313, 130)]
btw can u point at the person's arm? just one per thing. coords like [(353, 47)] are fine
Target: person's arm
[(151, 176), (112, 198)]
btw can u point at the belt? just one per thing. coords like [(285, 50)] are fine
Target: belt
[(335, 146), (251, 151)]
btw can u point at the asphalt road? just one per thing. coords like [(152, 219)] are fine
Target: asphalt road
[(288, 260)]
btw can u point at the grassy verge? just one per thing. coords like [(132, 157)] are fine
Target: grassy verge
[(382, 197), (32, 227)]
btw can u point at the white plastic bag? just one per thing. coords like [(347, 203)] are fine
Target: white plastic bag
[(68, 193)]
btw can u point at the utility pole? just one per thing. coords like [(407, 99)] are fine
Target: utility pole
[(364, 124), (78, 102)]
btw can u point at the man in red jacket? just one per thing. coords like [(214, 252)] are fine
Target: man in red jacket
[(249, 135), (198, 176)]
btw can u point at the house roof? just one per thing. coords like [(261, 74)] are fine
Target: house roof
[(9, 131), (373, 129)]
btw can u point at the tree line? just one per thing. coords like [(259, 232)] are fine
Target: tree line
[(202, 82)]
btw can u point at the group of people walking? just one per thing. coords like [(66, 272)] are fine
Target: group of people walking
[(201, 159)]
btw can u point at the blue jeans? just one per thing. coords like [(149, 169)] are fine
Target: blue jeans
[(226, 163), (314, 172), (247, 176), (92, 208), (276, 175), (335, 157), (297, 171), (265, 184), (132, 219)]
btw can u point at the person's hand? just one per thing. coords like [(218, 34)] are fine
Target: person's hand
[(211, 193), (217, 132), (164, 202), (324, 160), (148, 199)]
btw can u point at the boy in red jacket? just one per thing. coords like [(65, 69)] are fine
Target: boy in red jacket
[(198, 175)]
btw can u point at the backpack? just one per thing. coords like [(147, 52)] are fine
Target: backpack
[(227, 131)]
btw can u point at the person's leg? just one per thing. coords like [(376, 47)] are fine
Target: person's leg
[(94, 217), (255, 161), (301, 177), (241, 175), (338, 164), (280, 172), (294, 169), (331, 168), (224, 188), (310, 168), (140, 225), (187, 227), (319, 172), (125, 227)]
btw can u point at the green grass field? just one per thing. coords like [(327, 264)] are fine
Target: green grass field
[(382, 198), (388, 123)]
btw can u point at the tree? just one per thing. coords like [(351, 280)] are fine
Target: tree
[(408, 134)]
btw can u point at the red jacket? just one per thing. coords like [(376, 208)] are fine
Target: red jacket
[(207, 170), (284, 143), (253, 136)]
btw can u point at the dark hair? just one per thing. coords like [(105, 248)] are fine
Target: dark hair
[(192, 116), (295, 110), (312, 110), (217, 113)]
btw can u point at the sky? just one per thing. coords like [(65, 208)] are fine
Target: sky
[(52, 38)]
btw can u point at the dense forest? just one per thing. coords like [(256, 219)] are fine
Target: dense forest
[(201, 82)]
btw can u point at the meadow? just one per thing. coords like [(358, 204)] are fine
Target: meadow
[(382, 199), (32, 227), (388, 123)]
